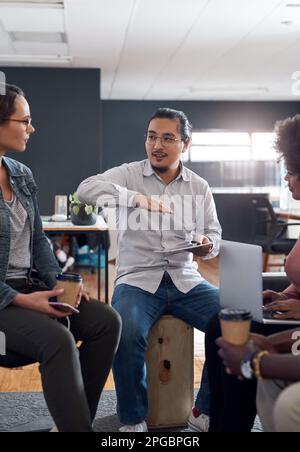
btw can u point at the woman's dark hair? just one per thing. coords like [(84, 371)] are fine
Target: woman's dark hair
[(288, 142), (7, 101), (185, 126)]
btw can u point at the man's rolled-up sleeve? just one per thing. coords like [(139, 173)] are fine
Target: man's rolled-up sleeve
[(208, 223), (107, 190)]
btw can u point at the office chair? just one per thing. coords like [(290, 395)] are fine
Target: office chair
[(237, 216), (271, 231), (250, 218)]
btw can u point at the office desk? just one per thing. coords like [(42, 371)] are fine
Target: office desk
[(100, 228)]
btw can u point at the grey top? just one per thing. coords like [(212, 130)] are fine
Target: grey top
[(141, 233), (19, 252), (41, 255)]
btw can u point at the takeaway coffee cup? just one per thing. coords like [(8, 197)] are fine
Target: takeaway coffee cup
[(71, 283), (235, 325)]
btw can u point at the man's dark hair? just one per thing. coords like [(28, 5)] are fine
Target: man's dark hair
[(288, 142), (185, 126), (8, 101)]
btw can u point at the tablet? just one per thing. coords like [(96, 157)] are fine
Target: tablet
[(189, 247)]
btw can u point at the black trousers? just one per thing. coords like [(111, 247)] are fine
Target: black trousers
[(232, 401), (72, 378)]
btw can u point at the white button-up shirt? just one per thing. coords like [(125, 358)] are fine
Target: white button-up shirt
[(142, 234)]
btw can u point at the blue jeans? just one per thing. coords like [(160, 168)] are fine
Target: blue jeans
[(139, 311)]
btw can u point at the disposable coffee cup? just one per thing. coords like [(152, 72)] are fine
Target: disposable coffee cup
[(235, 325), (71, 283)]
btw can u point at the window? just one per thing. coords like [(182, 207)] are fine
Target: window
[(235, 160), (227, 146), (263, 147)]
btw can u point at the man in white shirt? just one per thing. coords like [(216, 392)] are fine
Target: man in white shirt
[(160, 205)]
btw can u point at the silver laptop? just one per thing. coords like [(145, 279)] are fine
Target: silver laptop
[(241, 283)]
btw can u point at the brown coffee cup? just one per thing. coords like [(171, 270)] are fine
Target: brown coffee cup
[(71, 283), (235, 325)]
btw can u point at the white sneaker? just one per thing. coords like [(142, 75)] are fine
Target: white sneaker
[(141, 427), (198, 422)]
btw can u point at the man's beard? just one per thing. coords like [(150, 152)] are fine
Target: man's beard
[(160, 169)]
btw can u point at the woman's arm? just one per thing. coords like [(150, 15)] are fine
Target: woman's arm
[(283, 342), (7, 295), (39, 301), (43, 257), (291, 292), (281, 367), (272, 365)]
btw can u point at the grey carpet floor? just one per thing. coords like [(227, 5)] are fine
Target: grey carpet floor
[(23, 412)]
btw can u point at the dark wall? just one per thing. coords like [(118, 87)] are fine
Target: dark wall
[(125, 122), (66, 111), (78, 135)]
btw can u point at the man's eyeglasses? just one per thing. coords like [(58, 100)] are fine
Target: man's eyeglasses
[(27, 122), (290, 174), (166, 140)]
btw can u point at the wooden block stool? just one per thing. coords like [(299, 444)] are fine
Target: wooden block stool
[(170, 372)]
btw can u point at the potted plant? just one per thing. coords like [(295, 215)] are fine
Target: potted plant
[(81, 214)]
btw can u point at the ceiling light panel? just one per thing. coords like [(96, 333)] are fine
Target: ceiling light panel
[(55, 3), (291, 11), (17, 36), (41, 49), (32, 19), (36, 59)]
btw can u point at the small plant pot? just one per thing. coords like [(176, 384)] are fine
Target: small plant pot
[(79, 217)]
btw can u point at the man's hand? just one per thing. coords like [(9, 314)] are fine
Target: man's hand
[(285, 309), (204, 251), (151, 204), (39, 301), (269, 296)]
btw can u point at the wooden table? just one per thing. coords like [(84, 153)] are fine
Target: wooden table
[(100, 228), (293, 214)]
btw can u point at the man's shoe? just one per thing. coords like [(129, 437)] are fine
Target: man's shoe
[(141, 427), (198, 422)]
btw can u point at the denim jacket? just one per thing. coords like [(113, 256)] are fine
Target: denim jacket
[(42, 258)]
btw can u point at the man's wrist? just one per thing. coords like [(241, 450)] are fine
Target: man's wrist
[(133, 200), (211, 245)]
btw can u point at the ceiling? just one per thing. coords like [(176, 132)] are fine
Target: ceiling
[(161, 49)]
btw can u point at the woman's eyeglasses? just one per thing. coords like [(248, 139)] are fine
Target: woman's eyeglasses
[(27, 122)]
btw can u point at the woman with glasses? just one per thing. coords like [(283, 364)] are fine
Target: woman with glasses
[(72, 378)]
